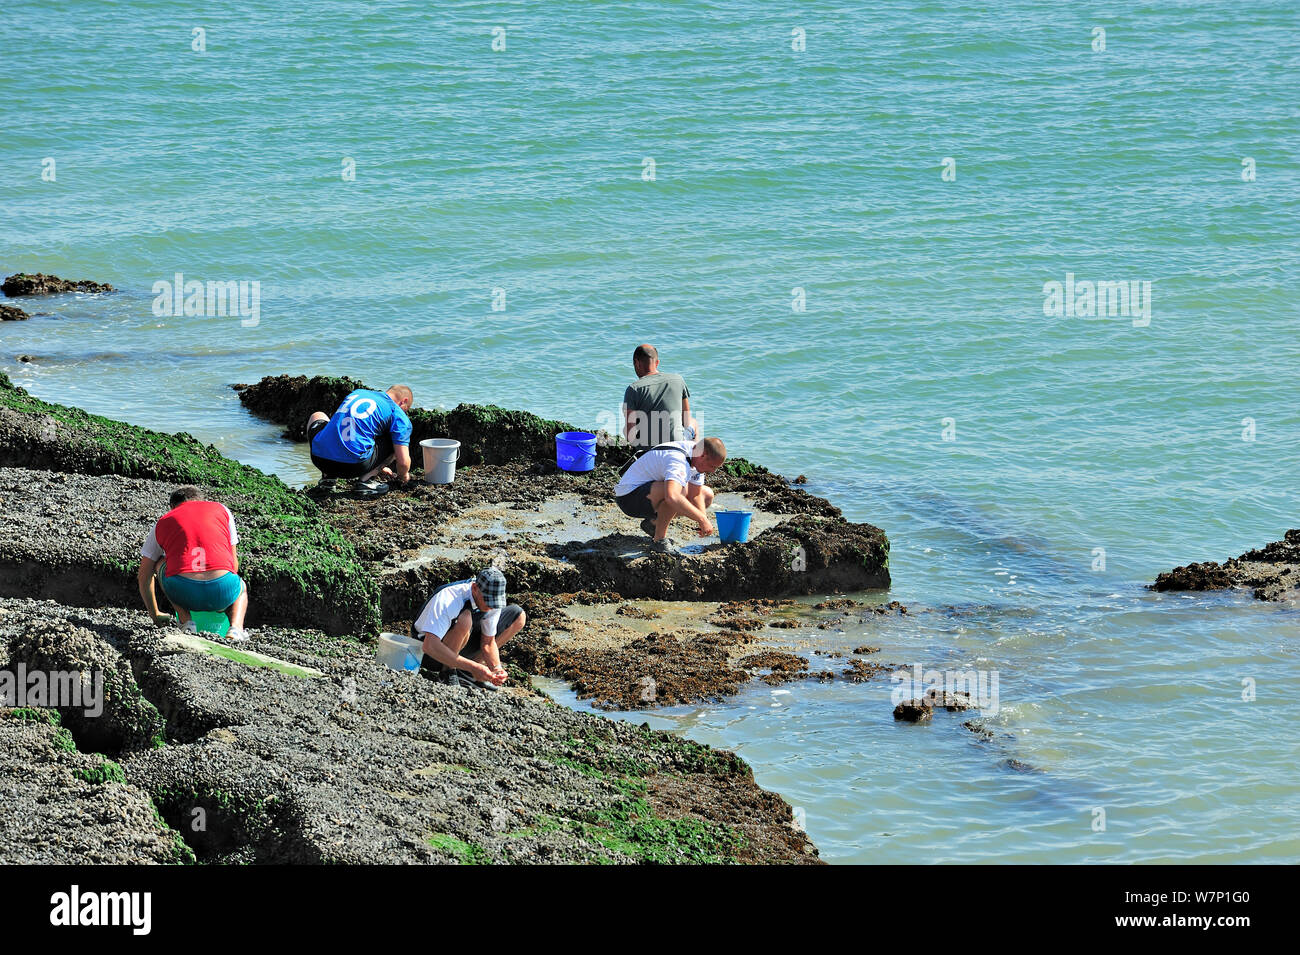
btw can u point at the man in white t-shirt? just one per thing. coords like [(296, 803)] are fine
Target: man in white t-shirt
[(668, 481), (459, 609)]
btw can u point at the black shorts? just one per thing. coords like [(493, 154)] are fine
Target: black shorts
[(380, 453), (636, 503)]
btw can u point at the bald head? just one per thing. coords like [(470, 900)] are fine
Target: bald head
[(402, 395), (710, 454), (645, 359)]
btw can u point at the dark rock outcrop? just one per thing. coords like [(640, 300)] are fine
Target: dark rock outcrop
[(12, 313), (298, 565), (487, 434), (1271, 572), (24, 283), (922, 708)]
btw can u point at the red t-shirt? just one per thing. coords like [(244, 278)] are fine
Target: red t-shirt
[(197, 536)]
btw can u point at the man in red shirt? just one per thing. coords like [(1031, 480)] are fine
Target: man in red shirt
[(195, 544)]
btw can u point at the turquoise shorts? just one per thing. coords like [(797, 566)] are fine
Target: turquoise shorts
[(210, 595)]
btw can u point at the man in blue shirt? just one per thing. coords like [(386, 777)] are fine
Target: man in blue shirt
[(370, 430)]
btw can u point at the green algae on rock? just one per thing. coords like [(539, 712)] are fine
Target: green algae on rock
[(488, 434), (298, 566), (398, 769)]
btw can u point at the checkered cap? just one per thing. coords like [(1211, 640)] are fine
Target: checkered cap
[(493, 585)]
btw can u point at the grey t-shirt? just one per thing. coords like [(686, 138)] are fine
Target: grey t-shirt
[(656, 403)]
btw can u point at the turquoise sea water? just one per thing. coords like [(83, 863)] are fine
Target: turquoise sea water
[(775, 169)]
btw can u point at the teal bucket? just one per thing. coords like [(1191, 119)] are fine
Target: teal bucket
[(575, 450), (733, 526), (210, 621)]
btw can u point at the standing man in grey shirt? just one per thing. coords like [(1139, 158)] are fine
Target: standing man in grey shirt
[(657, 406)]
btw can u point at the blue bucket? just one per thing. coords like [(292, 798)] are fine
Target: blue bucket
[(733, 526), (575, 450)]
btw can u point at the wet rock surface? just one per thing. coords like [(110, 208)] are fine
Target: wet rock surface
[(39, 283), (424, 535), (1271, 572), (556, 532), (367, 765), (307, 571), (686, 655), (126, 721), (922, 708), (76, 538), (12, 313)]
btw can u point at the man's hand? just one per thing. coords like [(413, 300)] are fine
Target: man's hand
[(486, 674), (499, 675), (161, 619), (706, 529)]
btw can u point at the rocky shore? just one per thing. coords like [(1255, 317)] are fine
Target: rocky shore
[(1271, 572), (302, 747), (311, 752)]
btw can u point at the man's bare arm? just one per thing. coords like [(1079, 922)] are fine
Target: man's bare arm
[(402, 458), (144, 580)]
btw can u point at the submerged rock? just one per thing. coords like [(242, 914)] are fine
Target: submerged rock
[(923, 707), (1272, 572), (12, 313), (39, 283)]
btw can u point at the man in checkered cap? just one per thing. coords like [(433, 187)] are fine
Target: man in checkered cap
[(457, 611)]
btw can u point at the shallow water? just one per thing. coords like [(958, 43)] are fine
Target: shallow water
[(776, 170)]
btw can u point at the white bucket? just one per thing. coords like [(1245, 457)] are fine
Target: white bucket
[(400, 653), (440, 457)]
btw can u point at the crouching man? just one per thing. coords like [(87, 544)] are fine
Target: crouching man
[(463, 609), (196, 541), (667, 482)]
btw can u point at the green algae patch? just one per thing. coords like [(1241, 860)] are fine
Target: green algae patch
[(740, 467), (83, 443), (106, 772), (35, 714), (181, 853), (631, 828), (190, 642), (466, 852), (488, 434)]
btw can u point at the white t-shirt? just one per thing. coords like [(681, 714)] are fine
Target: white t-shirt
[(152, 550), (446, 605), (662, 465)]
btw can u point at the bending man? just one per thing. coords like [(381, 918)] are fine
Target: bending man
[(195, 542), (369, 430), (668, 481), (465, 608)]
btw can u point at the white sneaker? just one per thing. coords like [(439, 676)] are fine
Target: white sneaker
[(190, 627), (237, 635)]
